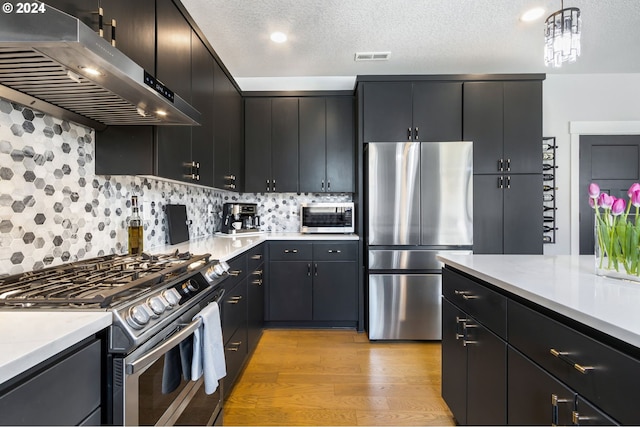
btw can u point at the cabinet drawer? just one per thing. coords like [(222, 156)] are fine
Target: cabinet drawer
[(237, 271), (290, 251), (64, 394), (335, 251), (235, 352), (486, 306), (255, 257), (234, 310), (602, 374)]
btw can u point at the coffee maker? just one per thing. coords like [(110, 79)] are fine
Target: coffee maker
[(240, 218)]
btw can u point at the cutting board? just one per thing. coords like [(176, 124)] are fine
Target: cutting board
[(177, 228)]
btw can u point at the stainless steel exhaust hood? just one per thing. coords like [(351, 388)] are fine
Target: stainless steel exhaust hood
[(46, 61)]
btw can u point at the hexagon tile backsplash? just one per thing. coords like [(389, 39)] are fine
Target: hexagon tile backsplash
[(54, 209)]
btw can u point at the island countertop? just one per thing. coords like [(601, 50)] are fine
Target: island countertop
[(566, 284)]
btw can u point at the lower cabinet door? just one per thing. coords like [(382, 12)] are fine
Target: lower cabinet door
[(454, 362), (535, 397), (290, 291), (335, 291), (486, 376), (586, 414), (235, 350)]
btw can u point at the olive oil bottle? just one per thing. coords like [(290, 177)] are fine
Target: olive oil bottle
[(135, 229)]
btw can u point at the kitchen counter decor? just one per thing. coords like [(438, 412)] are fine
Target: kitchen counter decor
[(617, 233)]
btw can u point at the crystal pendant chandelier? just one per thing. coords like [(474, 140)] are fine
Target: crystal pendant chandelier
[(562, 36)]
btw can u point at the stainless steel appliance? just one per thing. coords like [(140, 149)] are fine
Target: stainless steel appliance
[(55, 63), (419, 201), (240, 218), (153, 300), (327, 217)]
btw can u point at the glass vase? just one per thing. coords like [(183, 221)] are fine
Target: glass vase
[(620, 266)]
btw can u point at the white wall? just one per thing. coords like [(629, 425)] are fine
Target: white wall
[(585, 98)]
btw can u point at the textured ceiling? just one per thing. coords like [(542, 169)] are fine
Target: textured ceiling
[(424, 37)]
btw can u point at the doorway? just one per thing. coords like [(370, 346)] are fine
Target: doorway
[(611, 161)]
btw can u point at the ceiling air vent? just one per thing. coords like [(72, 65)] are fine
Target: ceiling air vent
[(372, 56)]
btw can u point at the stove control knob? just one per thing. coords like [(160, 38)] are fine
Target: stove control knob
[(157, 304), (192, 285), (211, 274), (221, 268), (172, 297), (138, 316), (224, 266)]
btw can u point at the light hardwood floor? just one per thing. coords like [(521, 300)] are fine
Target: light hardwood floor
[(337, 377)]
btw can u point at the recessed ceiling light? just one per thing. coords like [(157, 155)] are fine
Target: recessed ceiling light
[(278, 37), (532, 14)]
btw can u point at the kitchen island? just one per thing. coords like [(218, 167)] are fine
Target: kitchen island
[(562, 343)]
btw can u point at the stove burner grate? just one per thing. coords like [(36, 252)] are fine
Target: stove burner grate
[(95, 282)]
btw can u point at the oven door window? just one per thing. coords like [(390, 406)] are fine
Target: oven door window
[(186, 405), (324, 217)]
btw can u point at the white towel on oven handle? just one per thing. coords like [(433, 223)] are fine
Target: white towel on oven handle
[(208, 349)]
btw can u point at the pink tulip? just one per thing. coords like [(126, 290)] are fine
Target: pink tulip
[(635, 198), (592, 202), (594, 190), (605, 200), (634, 187), (618, 207)]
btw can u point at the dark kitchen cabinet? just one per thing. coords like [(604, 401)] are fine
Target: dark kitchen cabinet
[(537, 398), (474, 381), (418, 111), (234, 308), (202, 96), (504, 121), (313, 283), (507, 214), (327, 144), (558, 371), (173, 68), (271, 145), (65, 390), (290, 291), (229, 147), (255, 293)]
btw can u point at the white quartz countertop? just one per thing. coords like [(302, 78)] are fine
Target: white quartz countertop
[(226, 246), (30, 337), (566, 284)]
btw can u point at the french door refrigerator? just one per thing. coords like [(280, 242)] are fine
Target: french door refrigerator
[(419, 202)]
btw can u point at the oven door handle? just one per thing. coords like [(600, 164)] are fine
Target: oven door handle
[(147, 359)]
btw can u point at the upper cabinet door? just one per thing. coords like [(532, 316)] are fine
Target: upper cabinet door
[(257, 138), (437, 111), (523, 126), (482, 124), (202, 100), (173, 145), (387, 112), (340, 145), (135, 29), (313, 138), (284, 145)]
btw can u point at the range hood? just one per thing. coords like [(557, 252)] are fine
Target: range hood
[(45, 62)]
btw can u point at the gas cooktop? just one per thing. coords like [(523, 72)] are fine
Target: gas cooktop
[(98, 283)]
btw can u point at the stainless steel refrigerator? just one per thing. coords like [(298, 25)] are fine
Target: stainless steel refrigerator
[(419, 202)]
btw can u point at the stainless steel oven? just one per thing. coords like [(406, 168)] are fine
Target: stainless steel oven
[(142, 391), (327, 217)]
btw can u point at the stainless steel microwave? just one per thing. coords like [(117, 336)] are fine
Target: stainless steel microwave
[(326, 218)]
